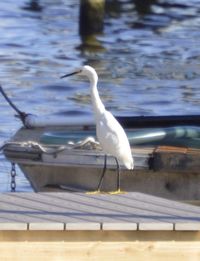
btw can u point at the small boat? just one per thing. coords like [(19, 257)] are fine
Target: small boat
[(68, 158), (57, 155)]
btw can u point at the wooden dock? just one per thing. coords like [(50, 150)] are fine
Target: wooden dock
[(77, 226)]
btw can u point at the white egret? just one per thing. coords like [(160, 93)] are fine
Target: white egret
[(110, 133)]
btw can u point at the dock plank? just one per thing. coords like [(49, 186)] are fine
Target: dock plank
[(83, 226), (18, 226), (155, 226), (119, 226), (189, 226), (46, 226), (79, 211)]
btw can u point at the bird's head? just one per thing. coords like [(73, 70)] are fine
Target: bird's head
[(85, 70)]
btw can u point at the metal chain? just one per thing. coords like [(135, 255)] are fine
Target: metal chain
[(13, 175)]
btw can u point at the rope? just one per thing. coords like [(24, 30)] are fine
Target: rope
[(35, 145), (88, 143), (20, 114)]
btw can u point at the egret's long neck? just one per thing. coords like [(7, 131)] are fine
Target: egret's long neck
[(96, 101)]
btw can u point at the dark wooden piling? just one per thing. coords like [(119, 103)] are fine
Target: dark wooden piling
[(144, 7), (91, 16)]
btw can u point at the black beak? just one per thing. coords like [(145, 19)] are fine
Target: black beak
[(69, 74)]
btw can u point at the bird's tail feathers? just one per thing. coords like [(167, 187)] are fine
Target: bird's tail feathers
[(129, 164)]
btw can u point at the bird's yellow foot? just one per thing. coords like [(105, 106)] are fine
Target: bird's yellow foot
[(93, 192), (119, 191)]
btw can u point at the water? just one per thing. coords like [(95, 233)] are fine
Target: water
[(148, 61)]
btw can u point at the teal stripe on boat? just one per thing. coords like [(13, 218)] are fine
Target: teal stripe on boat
[(185, 136)]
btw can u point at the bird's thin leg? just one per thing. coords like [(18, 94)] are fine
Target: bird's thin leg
[(103, 173), (118, 175), (101, 179), (118, 191)]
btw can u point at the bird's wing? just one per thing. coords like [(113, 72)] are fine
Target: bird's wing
[(110, 134)]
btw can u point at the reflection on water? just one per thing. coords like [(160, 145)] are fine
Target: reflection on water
[(33, 5), (145, 6), (147, 58)]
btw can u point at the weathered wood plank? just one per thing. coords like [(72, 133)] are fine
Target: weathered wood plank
[(83, 226), (189, 226), (50, 211), (155, 226), (82, 251), (18, 226), (46, 226), (119, 226)]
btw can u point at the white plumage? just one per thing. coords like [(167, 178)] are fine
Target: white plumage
[(113, 139), (110, 133)]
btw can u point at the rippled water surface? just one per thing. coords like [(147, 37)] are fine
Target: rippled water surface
[(148, 61)]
